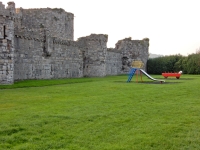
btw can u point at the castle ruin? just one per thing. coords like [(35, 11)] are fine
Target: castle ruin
[(39, 44)]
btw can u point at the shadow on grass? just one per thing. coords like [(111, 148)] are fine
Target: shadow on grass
[(151, 82), (175, 79), (43, 83), (148, 82)]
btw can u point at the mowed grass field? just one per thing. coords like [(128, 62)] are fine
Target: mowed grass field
[(101, 114)]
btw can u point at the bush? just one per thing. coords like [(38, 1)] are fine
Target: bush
[(163, 64), (175, 63), (193, 64)]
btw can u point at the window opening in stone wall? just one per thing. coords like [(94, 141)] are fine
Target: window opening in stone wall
[(4, 32)]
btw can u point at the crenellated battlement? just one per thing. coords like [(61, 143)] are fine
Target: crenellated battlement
[(9, 11), (95, 37)]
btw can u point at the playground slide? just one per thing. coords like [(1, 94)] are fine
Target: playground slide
[(150, 76)]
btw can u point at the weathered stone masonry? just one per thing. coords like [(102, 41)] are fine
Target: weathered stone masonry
[(39, 44), (7, 44)]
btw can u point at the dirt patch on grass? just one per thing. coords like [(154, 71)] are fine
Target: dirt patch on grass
[(156, 82), (148, 82)]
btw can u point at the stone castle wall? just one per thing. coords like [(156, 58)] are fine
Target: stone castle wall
[(44, 46), (7, 43), (119, 59), (46, 58), (38, 44)]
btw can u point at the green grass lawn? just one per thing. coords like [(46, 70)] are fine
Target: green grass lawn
[(101, 114)]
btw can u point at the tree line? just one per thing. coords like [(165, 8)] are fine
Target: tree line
[(174, 63)]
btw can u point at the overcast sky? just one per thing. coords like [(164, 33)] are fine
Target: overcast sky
[(173, 26)]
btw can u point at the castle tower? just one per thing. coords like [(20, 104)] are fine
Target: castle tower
[(94, 55), (133, 50), (7, 43), (57, 22)]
